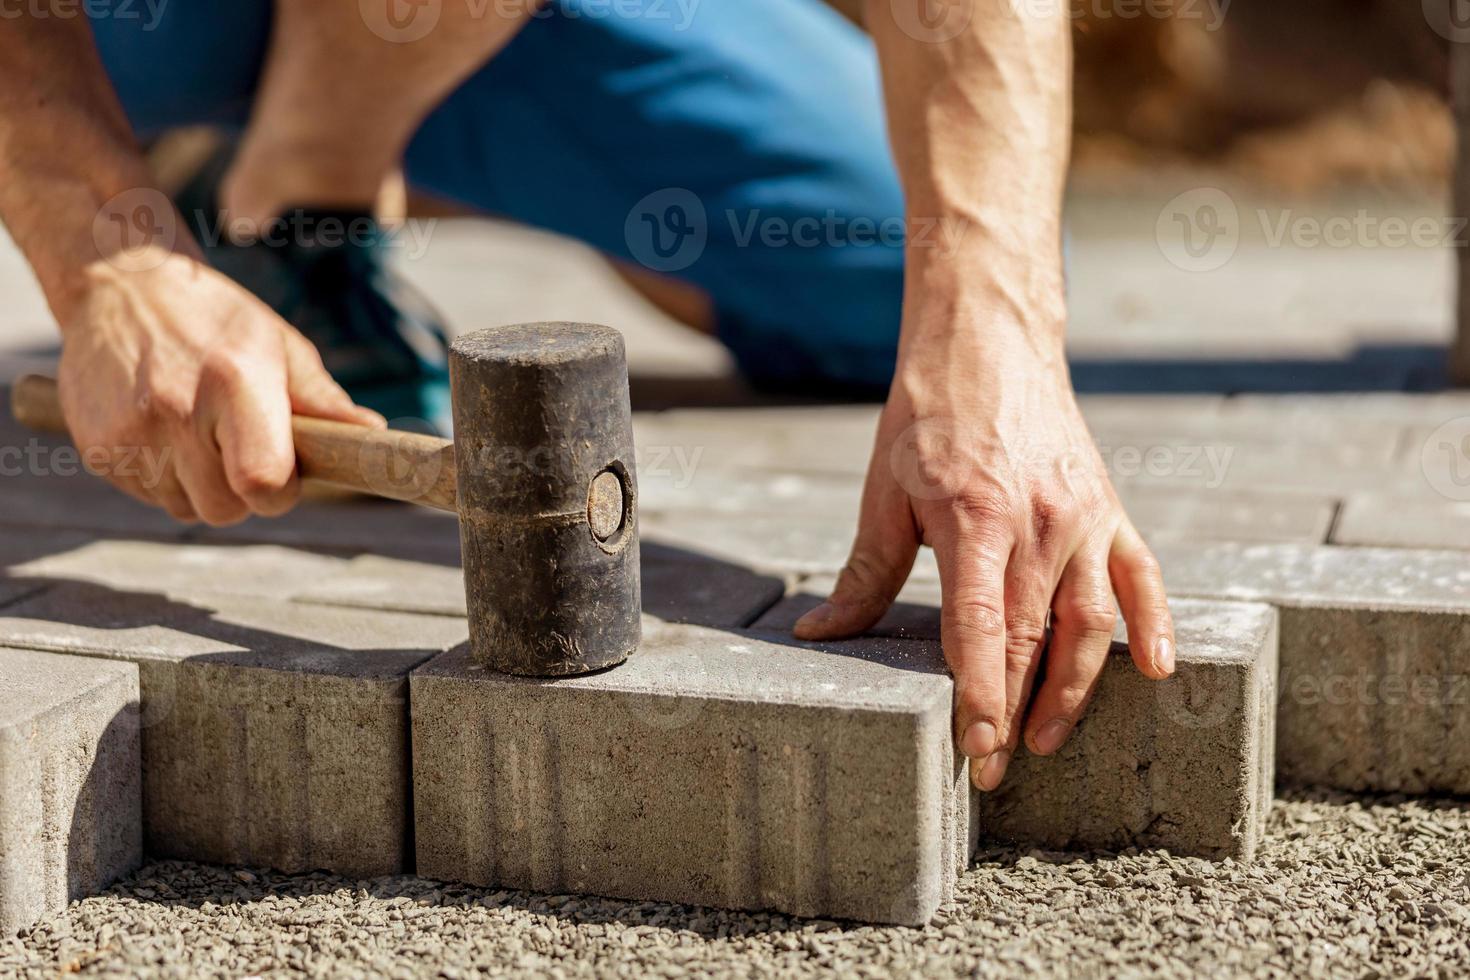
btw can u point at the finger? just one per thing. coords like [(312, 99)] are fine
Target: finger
[(253, 432), (1140, 589), (315, 393), (201, 472), (169, 494), (1028, 591), (972, 562), (881, 559), (1082, 623), (162, 490)]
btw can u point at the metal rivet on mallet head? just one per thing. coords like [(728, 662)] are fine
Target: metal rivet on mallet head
[(605, 505)]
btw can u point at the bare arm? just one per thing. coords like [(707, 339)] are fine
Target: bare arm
[(982, 452), (162, 359)]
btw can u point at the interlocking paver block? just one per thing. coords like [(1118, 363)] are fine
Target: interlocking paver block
[(677, 587), (379, 527), (274, 733), (1185, 764), (1229, 515), (1392, 521), (70, 781), (268, 571), (777, 543), (1374, 692), (713, 767)]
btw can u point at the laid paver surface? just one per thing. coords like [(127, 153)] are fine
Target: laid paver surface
[(745, 504)]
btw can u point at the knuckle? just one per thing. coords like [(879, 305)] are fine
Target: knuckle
[(978, 617), (1090, 617), (225, 370), (985, 508), (863, 574), (255, 480), (1144, 563)]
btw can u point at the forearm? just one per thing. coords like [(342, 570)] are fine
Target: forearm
[(980, 129), (66, 149)]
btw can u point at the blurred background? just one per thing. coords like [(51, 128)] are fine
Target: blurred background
[(1244, 175)]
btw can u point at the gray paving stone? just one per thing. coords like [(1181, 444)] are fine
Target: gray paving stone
[(776, 543), (828, 439), (266, 571), (1374, 692), (1185, 764), (396, 584), (352, 524), (714, 767), (1229, 515), (676, 588), (274, 733), (70, 781), (725, 494), (1391, 521)]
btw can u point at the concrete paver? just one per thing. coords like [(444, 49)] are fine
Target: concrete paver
[(359, 524), (265, 571), (1391, 521), (1229, 515), (1374, 689), (274, 733), (714, 767), (1185, 764), (70, 781), (676, 588)]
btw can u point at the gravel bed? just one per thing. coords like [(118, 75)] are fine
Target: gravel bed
[(1344, 886)]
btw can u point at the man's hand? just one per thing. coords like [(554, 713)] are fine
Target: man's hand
[(982, 452), (180, 362), (982, 455)]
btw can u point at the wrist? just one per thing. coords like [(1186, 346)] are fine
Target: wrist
[(986, 304)]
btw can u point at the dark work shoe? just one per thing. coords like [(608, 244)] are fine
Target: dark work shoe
[(326, 272)]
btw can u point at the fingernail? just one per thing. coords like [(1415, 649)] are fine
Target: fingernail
[(993, 771), (1051, 735), (979, 740), (1164, 655), (816, 617)]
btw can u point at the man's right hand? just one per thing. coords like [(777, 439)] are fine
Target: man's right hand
[(178, 361)]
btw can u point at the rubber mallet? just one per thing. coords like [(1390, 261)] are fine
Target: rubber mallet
[(540, 473)]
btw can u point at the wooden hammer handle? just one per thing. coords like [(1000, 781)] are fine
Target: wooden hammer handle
[(397, 465)]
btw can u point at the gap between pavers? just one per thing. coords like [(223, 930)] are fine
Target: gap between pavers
[(70, 781), (273, 733), (1374, 693), (1184, 764), (714, 767)]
